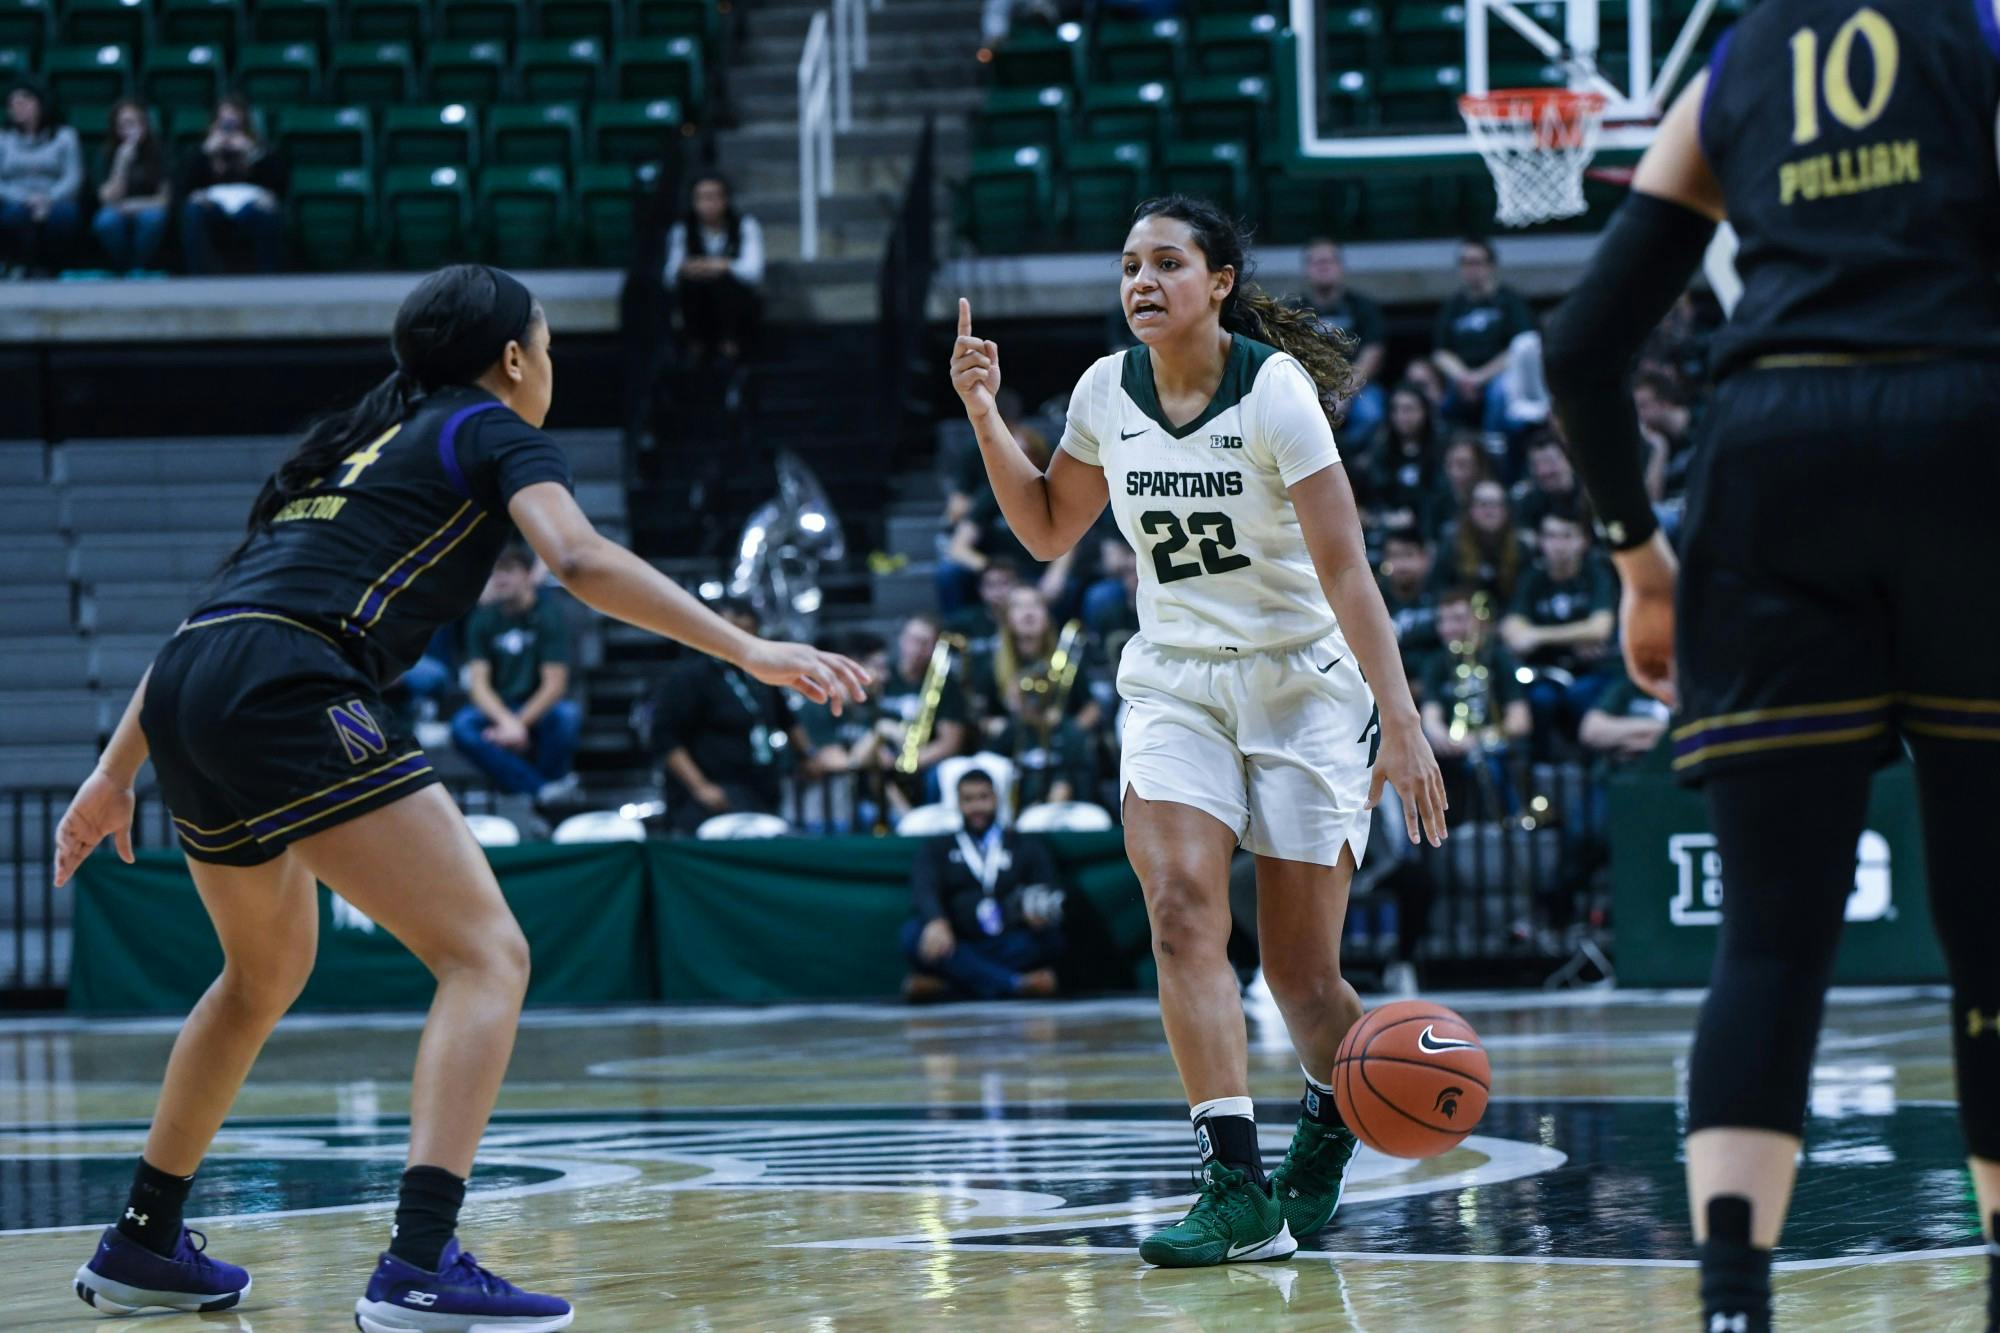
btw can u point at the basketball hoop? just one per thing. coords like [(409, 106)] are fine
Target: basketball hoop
[(1536, 142)]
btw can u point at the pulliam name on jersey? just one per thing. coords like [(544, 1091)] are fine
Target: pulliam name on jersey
[(1872, 166), (1184, 485)]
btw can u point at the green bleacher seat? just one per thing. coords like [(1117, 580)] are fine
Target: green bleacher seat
[(183, 76), (566, 69), (1413, 95), (126, 23), (1298, 206), (427, 215), (629, 132), (1034, 57), (531, 135), (598, 19), (1217, 170), (16, 62), (279, 74), (1427, 34), (430, 136), (651, 67), (1126, 111), (293, 21), (1226, 107), (482, 20), (1349, 99), (202, 23), (1016, 116), (1009, 199), (1106, 182), (186, 127), (371, 73), (332, 210), (90, 120), (1237, 44), (1351, 35), (1525, 74), (524, 215), (28, 24), (473, 72), (87, 75), (604, 205), (1238, 6), (327, 136), (1135, 52), (673, 18), (388, 21)]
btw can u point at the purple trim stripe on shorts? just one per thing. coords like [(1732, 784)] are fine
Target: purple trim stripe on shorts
[(1773, 733), (304, 812), (1966, 717)]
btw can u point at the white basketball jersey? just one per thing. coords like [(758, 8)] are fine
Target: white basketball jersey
[(1222, 563)]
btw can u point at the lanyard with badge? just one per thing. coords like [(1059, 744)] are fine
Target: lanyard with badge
[(985, 859), (760, 735)]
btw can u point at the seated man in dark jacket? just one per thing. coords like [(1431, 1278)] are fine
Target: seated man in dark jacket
[(987, 908)]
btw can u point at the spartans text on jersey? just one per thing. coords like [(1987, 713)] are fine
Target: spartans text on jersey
[(1184, 485)]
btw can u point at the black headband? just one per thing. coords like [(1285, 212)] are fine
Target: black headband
[(513, 306)]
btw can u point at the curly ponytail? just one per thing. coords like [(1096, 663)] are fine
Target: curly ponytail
[(1255, 313)]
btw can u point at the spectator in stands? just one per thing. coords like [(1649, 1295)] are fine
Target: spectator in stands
[(1111, 607), (519, 729), (988, 909), (899, 699), (1402, 481), (1484, 551), (232, 192), (715, 266), (723, 734), (132, 198), (969, 501), (1466, 464), (845, 749), (1666, 422), (1624, 723), (41, 176), (1560, 623), (1473, 709), (1549, 488), (1351, 315), (1469, 342), (979, 622), (1429, 382), (1028, 712), (1405, 580)]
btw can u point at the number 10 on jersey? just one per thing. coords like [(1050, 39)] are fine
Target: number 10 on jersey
[(1217, 547)]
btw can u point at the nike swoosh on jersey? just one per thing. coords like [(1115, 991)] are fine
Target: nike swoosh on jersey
[(1133, 435), (1431, 1044), (1331, 665)]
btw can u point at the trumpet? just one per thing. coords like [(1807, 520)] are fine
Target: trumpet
[(936, 677), (1053, 679)]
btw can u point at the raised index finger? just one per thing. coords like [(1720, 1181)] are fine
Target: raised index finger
[(964, 317)]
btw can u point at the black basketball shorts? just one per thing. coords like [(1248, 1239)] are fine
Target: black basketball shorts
[(1838, 561), (263, 733)]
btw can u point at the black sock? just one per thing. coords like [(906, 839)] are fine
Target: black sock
[(1993, 1272), (1231, 1140), (153, 1208), (1320, 1107), (1735, 1276), (426, 1215)]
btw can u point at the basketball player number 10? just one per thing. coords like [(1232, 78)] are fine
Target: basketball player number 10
[(1220, 537), (1810, 82)]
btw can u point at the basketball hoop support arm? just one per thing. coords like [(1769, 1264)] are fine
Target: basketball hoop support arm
[(1645, 99)]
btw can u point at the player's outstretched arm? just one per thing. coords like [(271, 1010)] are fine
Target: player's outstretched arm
[(608, 578), (102, 806), (1048, 512)]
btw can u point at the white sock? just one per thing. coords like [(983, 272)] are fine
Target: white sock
[(1315, 1084), (1242, 1106)]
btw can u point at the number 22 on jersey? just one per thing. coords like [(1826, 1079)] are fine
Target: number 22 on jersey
[(1217, 548)]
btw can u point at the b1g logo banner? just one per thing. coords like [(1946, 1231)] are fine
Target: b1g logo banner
[(1697, 899)]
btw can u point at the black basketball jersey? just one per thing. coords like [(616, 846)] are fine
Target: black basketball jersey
[(400, 536), (1854, 143)]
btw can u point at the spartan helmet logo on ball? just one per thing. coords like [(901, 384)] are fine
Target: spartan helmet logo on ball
[(1447, 1101)]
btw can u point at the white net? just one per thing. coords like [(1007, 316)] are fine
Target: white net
[(1537, 143)]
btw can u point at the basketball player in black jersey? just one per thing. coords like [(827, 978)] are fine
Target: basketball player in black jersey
[(1838, 553), (281, 765)]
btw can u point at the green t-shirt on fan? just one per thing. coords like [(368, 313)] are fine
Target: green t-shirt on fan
[(516, 645)]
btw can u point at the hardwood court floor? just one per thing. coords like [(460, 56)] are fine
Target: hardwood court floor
[(992, 1167)]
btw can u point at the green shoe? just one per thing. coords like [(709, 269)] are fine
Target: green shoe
[(1307, 1183), (1233, 1221)]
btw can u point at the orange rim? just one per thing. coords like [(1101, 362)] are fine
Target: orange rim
[(1530, 106)]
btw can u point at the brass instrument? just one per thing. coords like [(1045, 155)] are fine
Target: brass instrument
[(1054, 679), (936, 677), (1472, 713)]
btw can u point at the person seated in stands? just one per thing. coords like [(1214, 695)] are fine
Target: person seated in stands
[(988, 909), (1405, 583), (1474, 710), (1402, 483), (1561, 622), (715, 268), (41, 176), (1470, 340), (1111, 605), (1353, 316), (1624, 722), (232, 192), (1464, 465), (726, 738), (843, 757), (1481, 548), (981, 536), (1549, 488), (977, 622), (1666, 423), (519, 729), (1027, 710), (900, 706), (131, 216)]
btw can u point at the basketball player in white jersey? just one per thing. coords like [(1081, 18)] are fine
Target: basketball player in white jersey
[(1268, 701)]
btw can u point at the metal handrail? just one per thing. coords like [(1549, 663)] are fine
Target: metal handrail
[(815, 132)]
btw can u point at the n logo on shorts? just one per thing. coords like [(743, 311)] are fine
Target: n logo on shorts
[(358, 732)]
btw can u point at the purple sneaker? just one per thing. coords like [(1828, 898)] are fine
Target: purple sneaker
[(124, 1276), (461, 1297)]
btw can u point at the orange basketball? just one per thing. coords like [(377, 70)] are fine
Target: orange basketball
[(1411, 1078)]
